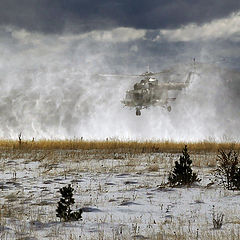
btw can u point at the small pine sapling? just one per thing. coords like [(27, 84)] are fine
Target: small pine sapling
[(63, 210), (182, 173)]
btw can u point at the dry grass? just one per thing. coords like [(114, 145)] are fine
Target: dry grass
[(217, 235), (153, 167), (118, 146)]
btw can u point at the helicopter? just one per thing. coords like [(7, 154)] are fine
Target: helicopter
[(151, 91)]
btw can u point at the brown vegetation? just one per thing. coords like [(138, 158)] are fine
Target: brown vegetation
[(119, 146)]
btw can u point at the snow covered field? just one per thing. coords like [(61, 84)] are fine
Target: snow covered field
[(123, 196)]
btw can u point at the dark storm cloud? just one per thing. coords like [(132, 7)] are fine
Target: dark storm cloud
[(83, 15)]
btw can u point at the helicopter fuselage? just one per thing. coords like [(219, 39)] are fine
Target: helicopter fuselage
[(149, 92)]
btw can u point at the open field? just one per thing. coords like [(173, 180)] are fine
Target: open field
[(110, 145), (121, 188)]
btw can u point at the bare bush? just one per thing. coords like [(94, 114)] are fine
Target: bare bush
[(217, 219), (228, 170)]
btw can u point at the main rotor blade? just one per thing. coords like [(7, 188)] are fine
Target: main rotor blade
[(146, 74), (117, 75)]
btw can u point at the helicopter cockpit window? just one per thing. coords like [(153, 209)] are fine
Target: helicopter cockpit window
[(137, 86), (144, 81)]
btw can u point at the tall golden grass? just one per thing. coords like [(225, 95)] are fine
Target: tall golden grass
[(117, 145)]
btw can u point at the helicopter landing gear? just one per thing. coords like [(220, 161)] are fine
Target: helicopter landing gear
[(138, 112), (169, 108)]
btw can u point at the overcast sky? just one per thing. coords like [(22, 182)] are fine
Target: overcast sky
[(85, 15), (179, 29)]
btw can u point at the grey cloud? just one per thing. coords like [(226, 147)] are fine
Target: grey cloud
[(81, 16)]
